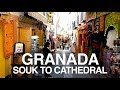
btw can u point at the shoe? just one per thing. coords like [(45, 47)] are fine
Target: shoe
[(49, 76)]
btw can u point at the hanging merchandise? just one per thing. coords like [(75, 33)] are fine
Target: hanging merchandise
[(89, 27), (102, 23), (97, 25), (8, 36), (90, 30)]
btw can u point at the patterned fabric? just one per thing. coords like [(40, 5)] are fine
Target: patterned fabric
[(102, 22)]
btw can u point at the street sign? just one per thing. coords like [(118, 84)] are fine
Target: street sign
[(19, 48)]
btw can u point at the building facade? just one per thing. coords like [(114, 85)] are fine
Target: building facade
[(19, 27)]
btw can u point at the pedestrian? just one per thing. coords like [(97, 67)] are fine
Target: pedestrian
[(46, 51), (104, 56), (113, 60), (73, 48), (108, 61), (63, 46)]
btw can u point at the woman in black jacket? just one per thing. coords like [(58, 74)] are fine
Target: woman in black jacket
[(46, 51)]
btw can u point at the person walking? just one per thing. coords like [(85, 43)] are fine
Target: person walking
[(46, 51), (73, 48)]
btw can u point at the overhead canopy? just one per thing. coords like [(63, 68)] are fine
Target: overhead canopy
[(38, 16)]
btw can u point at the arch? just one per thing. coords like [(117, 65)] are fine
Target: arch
[(112, 19), (110, 27)]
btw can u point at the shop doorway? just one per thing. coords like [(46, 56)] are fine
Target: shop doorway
[(111, 35)]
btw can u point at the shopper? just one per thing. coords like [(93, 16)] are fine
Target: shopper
[(73, 48), (105, 56), (46, 51), (113, 60), (108, 61)]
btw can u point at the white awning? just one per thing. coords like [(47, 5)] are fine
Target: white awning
[(47, 24), (38, 16), (4, 12)]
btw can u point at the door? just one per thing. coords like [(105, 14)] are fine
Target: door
[(25, 37)]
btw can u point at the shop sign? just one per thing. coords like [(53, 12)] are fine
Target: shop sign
[(19, 48)]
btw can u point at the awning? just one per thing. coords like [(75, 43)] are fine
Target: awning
[(38, 16), (5, 13), (27, 20), (47, 24)]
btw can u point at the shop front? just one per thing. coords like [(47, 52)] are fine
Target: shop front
[(25, 32), (112, 34), (103, 30), (96, 39), (28, 29), (8, 36)]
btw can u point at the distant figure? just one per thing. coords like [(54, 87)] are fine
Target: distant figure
[(48, 40), (108, 61), (63, 45), (105, 56), (113, 60), (73, 48)]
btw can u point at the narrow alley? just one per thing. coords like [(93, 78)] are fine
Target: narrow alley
[(24, 35)]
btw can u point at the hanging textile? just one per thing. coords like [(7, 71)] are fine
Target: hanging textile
[(102, 23)]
